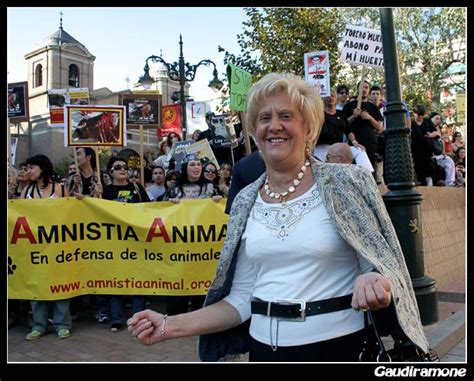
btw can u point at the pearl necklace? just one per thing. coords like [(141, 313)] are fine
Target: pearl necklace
[(292, 188)]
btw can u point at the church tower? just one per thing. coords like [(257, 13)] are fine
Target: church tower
[(58, 62)]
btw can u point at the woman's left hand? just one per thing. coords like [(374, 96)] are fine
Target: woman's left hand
[(371, 291), (216, 198)]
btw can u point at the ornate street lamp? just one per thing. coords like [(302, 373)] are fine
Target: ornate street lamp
[(402, 200), (181, 72)]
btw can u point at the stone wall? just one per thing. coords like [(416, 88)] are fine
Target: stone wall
[(443, 214), (444, 233)]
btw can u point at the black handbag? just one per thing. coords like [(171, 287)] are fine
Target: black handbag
[(404, 350)]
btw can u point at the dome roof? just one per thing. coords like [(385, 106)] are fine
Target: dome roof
[(60, 37), (158, 70)]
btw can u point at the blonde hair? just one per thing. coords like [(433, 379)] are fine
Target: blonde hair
[(303, 96)]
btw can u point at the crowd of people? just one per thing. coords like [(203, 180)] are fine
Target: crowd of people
[(294, 237)]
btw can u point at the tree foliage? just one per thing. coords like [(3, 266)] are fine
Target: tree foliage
[(275, 39), (428, 47)]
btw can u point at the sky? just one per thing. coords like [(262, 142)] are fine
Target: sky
[(122, 38)]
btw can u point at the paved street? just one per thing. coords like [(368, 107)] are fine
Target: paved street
[(93, 342)]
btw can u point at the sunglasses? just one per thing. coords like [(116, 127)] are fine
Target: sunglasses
[(342, 93), (119, 167), (210, 171)]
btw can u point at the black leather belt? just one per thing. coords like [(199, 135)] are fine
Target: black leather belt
[(297, 309)]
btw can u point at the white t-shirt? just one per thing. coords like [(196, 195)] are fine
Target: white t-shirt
[(294, 252)]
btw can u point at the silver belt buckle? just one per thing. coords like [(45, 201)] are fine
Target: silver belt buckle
[(302, 304)]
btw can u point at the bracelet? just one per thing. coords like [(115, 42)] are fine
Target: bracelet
[(163, 329)]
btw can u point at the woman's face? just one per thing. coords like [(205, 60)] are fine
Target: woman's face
[(35, 172), (210, 172), (331, 100), (462, 153), (171, 182), (194, 170), (281, 131), (120, 170), (23, 173), (225, 171)]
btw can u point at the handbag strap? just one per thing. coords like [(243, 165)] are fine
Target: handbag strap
[(371, 331)]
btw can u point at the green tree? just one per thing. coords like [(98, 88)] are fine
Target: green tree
[(275, 39), (429, 41)]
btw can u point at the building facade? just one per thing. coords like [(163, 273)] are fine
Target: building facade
[(61, 62)]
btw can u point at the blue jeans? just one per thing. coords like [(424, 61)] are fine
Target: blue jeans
[(61, 314), (116, 306), (102, 304)]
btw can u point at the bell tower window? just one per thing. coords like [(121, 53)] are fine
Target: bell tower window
[(38, 76), (73, 75)]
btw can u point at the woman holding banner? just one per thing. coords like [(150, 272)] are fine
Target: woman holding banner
[(190, 185), (122, 189), (42, 185), (308, 245)]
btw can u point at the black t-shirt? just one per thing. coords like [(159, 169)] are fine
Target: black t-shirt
[(421, 145), (125, 193), (88, 183), (362, 128), (333, 128)]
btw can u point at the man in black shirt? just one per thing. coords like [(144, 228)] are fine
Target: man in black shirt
[(84, 181), (364, 123)]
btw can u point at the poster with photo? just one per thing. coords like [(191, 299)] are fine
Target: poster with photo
[(222, 130), (58, 98), (316, 69), (142, 110), (18, 102), (94, 126), (203, 151)]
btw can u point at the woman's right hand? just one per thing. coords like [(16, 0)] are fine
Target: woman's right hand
[(146, 326)]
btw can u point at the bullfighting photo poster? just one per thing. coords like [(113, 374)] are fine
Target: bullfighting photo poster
[(142, 109), (99, 126)]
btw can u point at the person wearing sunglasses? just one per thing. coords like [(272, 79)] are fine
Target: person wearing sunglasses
[(121, 190), (342, 96), (210, 174), (191, 184)]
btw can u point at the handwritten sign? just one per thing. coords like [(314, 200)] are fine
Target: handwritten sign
[(240, 82), (362, 46)]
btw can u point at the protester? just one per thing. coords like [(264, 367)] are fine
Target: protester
[(339, 153), (42, 185), (364, 123), (225, 173), (191, 185), (421, 148), (303, 232), (122, 189), (83, 181)]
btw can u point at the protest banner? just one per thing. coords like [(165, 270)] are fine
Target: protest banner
[(17, 106), (58, 98), (171, 121), (95, 246), (316, 69), (142, 109), (240, 82), (95, 126), (362, 46)]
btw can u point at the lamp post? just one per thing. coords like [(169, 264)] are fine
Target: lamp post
[(402, 200), (181, 72)]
